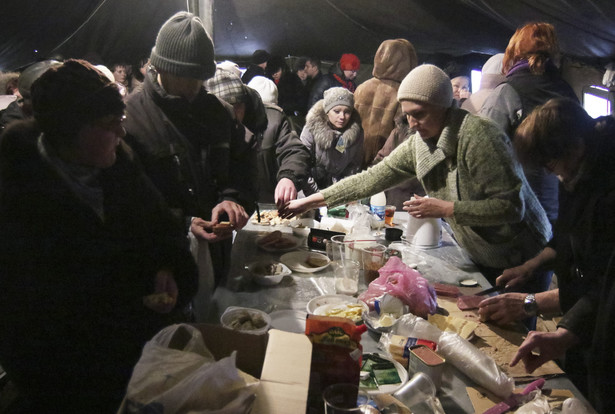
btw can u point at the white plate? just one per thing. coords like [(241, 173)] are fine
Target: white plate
[(390, 388), (296, 243), (297, 261), (288, 320), (319, 301)]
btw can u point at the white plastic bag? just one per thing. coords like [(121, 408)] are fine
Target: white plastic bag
[(187, 381), (539, 404)]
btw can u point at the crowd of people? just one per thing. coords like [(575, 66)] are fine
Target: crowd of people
[(112, 181)]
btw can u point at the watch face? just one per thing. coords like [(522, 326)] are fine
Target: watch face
[(530, 307)]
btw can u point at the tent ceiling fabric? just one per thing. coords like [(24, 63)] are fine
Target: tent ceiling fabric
[(125, 30)]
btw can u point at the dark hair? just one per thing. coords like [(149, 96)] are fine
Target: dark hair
[(553, 131), (274, 64), (300, 64), (69, 96), (314, 61)]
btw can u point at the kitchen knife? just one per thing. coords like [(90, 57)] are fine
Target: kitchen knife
[(516, 400), (491, 290)]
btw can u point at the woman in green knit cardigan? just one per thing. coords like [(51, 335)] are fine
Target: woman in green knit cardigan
[(467, 167)]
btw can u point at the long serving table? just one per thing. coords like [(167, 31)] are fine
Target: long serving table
[(445, 264)]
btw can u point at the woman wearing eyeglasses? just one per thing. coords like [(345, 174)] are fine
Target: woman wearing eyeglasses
[(92, 263)]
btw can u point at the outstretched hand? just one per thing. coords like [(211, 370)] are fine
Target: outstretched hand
[(285, 191), (295, 207), (541, 347)]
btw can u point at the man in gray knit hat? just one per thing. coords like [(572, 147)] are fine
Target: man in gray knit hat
[(467, 168), (195, 152)]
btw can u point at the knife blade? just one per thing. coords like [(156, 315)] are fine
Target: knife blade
[(515, 400), (498, 289)]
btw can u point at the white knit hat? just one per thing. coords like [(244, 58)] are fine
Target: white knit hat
[(266, 88), (337, 96), (427, 83)]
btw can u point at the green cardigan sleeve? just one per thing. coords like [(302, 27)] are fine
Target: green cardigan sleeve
[(393, 169)]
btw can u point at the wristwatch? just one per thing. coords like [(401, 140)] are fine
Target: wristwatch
[(530, 307)]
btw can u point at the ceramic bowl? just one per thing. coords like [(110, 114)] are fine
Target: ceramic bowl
[(263, 274), (246, 320), (302, 227)]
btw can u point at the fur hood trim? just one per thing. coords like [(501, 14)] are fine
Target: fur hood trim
[(325, 137)]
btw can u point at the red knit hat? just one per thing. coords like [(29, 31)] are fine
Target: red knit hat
[(348, 61)]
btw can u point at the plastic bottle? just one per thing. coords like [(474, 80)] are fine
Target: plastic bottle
[(377, 204)]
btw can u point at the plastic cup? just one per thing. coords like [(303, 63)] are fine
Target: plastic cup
[(373, 259), (347, 278), (420, 388), (344, 399), (389, 213)]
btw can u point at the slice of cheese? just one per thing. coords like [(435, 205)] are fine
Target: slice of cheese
[(462, 327)]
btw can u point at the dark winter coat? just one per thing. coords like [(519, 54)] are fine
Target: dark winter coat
[(584, 240), (72, 284), (195, 152), (333, 79), (281, 155)]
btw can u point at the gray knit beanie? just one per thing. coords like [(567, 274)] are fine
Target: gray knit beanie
[(337, 96), (426, 83), (183, 48)]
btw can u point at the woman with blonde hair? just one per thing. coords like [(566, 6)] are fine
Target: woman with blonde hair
[(530, 65)]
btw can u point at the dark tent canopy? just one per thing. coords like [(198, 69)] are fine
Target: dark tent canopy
[(125, 30)]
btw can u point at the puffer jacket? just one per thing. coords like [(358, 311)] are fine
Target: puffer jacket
[(329, 164), (376, 99)]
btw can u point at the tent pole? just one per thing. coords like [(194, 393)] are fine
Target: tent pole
[(206, 13)]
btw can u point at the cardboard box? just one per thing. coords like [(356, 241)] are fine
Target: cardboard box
[(280, 359)]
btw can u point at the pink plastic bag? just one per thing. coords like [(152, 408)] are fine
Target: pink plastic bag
[(405, 283)]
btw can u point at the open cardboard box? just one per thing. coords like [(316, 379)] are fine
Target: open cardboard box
[(280, 359)]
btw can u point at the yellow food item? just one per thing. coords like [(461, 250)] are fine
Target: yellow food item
[(353, 311), (158, 299), (397, 345), (463, 327)]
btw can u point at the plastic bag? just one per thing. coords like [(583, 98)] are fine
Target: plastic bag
[(538, 404), (398, 279), (187, 380), (360, 217)]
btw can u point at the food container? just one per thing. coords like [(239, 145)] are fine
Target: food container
[(302, 227), (246, 320), (424, 359), (268, 273)]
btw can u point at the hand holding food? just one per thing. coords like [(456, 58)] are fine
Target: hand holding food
[(165, 296)]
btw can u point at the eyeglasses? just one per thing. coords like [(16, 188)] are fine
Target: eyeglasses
[(110, 122)]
